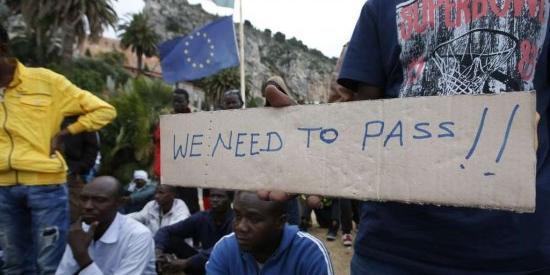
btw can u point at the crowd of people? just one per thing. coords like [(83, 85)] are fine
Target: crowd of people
[(49, 138)]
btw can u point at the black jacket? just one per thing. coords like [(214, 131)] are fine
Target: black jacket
[(80, 150)]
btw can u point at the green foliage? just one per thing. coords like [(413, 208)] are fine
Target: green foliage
[(255, 102), (295, 43), (267, 34), (139, 35), (173, 25), (113, 58), (91, 74), (54, 26), (215, 85), (127, 143), (4, 12), (279, 37)]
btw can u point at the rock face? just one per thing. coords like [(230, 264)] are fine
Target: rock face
[(306, 71)]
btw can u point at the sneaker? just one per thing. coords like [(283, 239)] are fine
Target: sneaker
[(331, 236), (347, 240)]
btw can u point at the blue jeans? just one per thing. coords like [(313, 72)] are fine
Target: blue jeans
[(33, 226)]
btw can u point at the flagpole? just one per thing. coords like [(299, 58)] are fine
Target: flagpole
[(241, 37)]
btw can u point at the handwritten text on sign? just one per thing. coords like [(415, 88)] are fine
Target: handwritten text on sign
[(465, 151)]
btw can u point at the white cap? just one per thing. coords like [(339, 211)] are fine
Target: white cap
[(141, 175)]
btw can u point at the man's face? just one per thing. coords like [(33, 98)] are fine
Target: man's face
[(99, 202), (179, 103), (231, 101), (255, 224), (140, 182), (219, 200), (164, 196)]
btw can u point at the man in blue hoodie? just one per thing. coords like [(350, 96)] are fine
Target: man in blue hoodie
[(264, 244)]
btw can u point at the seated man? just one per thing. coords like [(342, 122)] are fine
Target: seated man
[(107, 242), (80, 152), (264, 244), (206, 226), (139, 192), (163, 211)]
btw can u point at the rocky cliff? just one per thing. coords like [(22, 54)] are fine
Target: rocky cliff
[(306, 71)]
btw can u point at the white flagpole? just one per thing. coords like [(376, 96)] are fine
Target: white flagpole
[(241, 37)]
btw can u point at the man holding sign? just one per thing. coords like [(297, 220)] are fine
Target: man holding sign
[(427, 48)]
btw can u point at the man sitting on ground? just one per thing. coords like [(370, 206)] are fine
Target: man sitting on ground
[(139, 192), (206, 226), (164, 210), (264, 243), (107, 242)]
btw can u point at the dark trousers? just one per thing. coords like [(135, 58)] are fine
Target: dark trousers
[(182, 250), (346, 216), (338, 213)]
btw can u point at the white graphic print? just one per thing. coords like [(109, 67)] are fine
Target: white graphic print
[(470, 46)]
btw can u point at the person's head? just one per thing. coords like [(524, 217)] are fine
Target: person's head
[(164, 196), (220, 200), (258, 223), (140, 178), (180, 101), (232, 100), (100, 199)]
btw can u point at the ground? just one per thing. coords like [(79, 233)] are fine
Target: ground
[(341, 256)]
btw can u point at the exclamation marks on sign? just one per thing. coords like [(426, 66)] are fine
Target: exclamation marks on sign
[(478, 134), (480, 131), (507, 133)]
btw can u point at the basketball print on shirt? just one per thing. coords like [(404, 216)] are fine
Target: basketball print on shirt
[(470, 47)]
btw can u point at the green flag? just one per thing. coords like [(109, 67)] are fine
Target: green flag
[(225, 3)]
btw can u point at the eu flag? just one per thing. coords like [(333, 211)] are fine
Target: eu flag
[(202, 53)]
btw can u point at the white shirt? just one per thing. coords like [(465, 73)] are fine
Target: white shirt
[(152, 217), (127, 247)]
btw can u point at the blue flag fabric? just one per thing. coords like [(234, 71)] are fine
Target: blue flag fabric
[(202, 53), (225, 3)]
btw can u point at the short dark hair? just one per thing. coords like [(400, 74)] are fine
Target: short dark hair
[(230, 194), (180, 91), (4, 37), (234, 92), (275, 207), (169, 188)]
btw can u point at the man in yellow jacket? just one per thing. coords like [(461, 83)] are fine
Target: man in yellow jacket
[(33, 196)]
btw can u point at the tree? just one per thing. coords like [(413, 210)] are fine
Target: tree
[(68, 21), (139, 35), (53, 27), (74, 16), (215, 85), (127, 143)]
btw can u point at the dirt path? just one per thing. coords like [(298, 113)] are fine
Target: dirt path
[(341, 256)]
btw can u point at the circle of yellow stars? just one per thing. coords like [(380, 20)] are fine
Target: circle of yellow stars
[(199, 63)]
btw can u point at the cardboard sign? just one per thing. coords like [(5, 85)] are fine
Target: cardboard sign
[(475, 151)]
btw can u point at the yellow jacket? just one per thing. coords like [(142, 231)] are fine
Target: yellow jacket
[(32, 108)]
